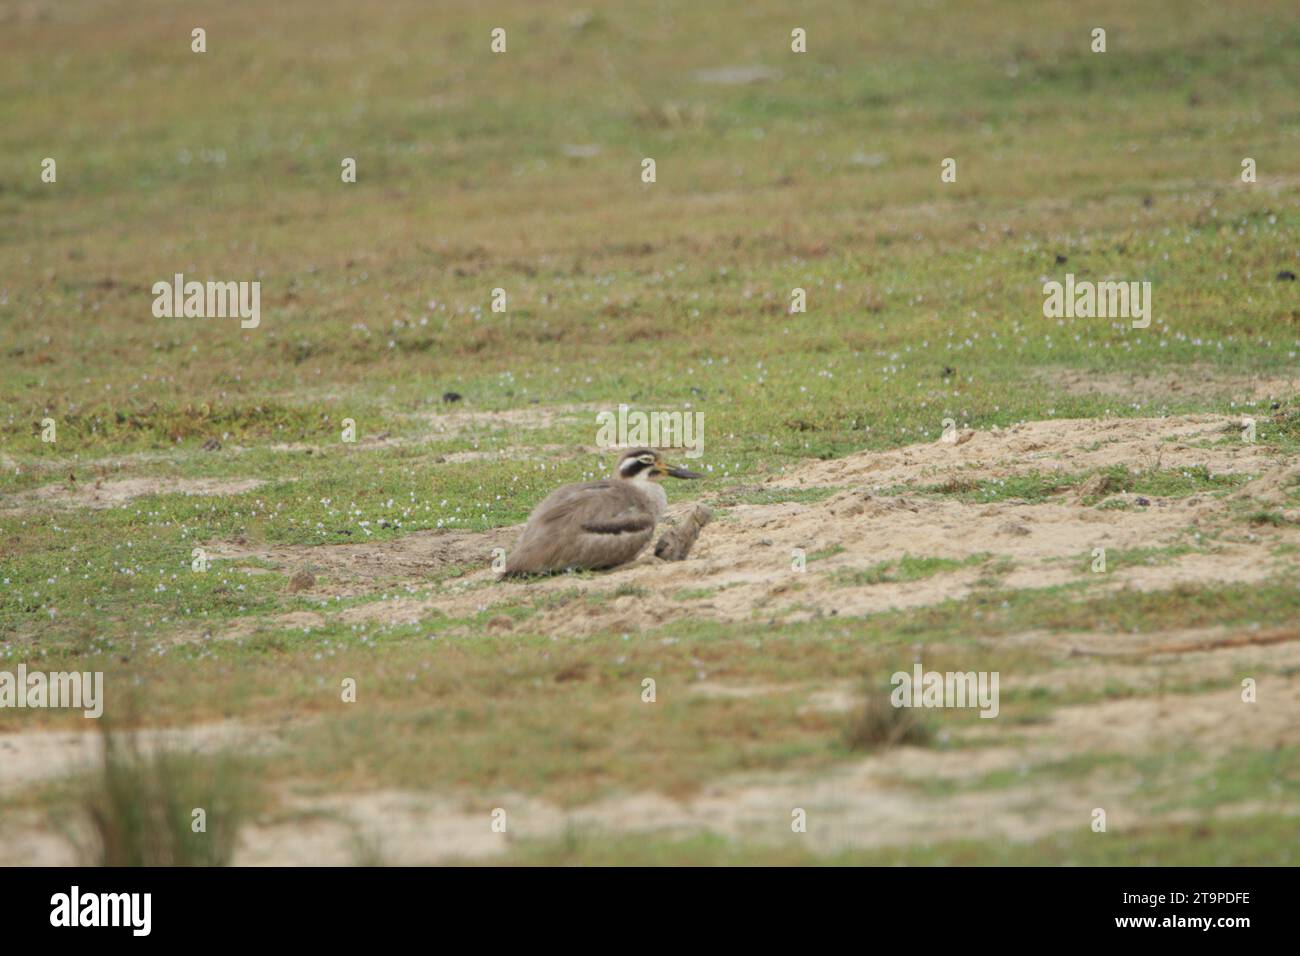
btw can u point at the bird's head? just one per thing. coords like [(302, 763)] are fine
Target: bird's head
[(646, 464)]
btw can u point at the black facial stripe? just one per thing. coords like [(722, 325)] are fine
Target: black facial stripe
[(633, 466)]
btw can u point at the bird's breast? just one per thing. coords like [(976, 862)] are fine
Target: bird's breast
[(656, 498)]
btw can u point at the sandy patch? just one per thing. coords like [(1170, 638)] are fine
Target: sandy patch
[(347, 569), (392, 827), (31, 756), (855, 808), (1211, 723), (1069, 446), (1157, 387), (111, 494)]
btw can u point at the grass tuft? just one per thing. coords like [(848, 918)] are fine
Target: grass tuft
[(143, 804), (879, 725)]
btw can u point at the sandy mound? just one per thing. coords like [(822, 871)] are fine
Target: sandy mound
[(1064, 445)]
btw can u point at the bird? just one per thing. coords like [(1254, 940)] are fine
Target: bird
[(596, 524)]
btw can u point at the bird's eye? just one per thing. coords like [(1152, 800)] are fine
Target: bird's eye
[(646, 460)]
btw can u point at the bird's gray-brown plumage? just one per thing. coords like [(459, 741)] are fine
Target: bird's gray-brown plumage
[(595, 524)]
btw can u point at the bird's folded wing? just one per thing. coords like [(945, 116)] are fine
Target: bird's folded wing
[(600, 524), (627, 523), (601, 507)]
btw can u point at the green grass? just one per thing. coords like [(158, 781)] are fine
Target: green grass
[(906, 568), (1038, 487), (1267, 516), (925, 304), (1135, 557), (879, 724), (1258, 840), (1183, 779), (775, 496), (694, 594)]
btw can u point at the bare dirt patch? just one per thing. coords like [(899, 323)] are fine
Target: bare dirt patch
[(1148, 387), (348, 569), (112, 494), (30, 756), (1214, 723)]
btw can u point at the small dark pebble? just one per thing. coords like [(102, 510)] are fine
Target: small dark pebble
[(451, 397), (1061, 260), (1286, 275)]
